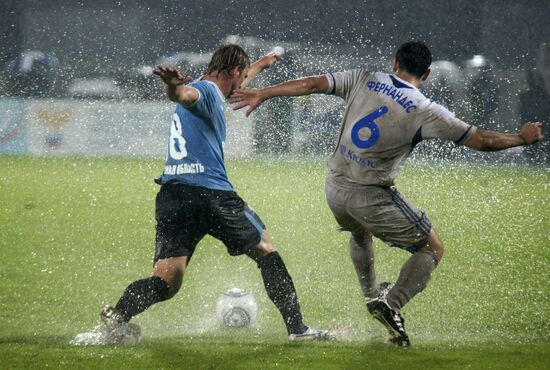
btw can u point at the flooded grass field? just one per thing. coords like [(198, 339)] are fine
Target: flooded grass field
[(76, 230)]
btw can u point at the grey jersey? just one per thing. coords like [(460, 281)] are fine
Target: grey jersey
[(385, 118)]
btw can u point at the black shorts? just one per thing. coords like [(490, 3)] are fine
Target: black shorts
[(185, 214)]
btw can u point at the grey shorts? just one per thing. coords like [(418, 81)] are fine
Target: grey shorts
[(381, 211)]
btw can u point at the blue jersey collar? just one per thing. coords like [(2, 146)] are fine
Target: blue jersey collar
[(217, 88)]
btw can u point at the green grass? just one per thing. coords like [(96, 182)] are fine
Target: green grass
[(76, 231)]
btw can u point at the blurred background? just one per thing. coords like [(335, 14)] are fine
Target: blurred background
[(76, 76)]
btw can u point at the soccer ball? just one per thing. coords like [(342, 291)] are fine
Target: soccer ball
[(236, 308)]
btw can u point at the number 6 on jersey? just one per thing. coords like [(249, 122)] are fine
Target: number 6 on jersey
[(368, 122)]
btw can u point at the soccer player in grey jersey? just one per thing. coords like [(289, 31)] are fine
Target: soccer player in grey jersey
[(385, 117)]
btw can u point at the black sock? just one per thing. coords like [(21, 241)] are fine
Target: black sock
[(140, 295), (280, 289)]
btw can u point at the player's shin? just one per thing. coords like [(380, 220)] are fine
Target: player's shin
[(413, 278), (362, 256), (280, 289), (142, 294)]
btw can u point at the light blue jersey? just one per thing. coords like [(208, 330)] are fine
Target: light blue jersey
[(197, 136)]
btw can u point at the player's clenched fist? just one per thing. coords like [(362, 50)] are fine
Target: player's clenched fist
[(531, 132)]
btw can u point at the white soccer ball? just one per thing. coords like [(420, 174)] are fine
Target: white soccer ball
[(236, 308)]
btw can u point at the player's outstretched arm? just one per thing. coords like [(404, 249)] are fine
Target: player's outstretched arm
[(174, 85), (267, 61), (254, 97), (488, 141)]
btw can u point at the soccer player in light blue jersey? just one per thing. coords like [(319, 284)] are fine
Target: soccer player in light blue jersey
[(196, 198), (385, 117)]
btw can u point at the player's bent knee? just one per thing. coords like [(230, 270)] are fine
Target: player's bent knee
[(435, 245), (266, 245), (263, 248), (171, 270)]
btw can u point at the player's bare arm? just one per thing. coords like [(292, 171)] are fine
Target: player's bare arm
[(265, 62), (255, 97), (487, 141), (174, 85)]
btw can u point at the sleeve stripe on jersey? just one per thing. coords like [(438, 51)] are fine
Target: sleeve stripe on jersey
[(331, 83), (196, 101), (461, 140)]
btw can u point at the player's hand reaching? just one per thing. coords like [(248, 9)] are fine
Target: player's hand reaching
[(531, 132), (171, 75), (269, 60), (247, 97)]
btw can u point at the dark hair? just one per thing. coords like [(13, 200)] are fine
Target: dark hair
[(226, 57), (414, 57)]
